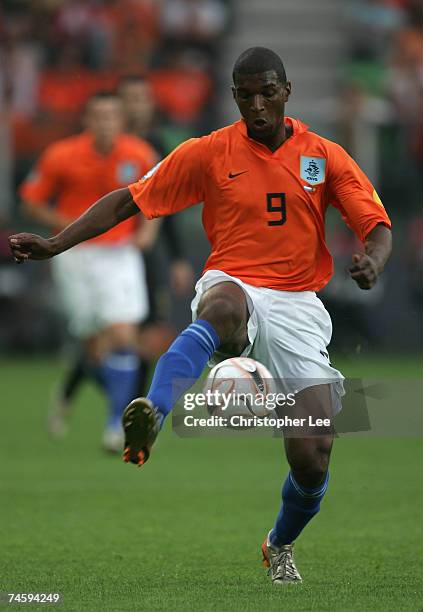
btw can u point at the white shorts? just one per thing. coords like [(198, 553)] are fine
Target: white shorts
[(100, 285), (288, 332)]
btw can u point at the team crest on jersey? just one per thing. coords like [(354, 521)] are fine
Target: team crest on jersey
[(127, 172), (312, 169), (151, 172)]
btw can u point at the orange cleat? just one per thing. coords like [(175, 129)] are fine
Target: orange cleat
[(141, 426), (265, 560)]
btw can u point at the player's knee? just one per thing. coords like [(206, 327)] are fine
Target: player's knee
[(311, 476), (310, 466), (225, 314), (121, 336)]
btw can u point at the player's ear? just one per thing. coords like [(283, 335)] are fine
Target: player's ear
[(233, 92), (286, 91)]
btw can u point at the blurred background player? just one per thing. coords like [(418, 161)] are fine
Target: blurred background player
[(102, 284), (141, 120), (155, 333)]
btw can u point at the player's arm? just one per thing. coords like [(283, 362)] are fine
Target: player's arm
[(113, 208), (369, 265), (174, 184), (353, 194)]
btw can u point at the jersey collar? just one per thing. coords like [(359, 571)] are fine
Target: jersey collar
[(298, 127), (88, 140)]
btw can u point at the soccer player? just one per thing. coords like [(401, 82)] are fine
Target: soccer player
[(140, 113), (138, 107), (101, 283), (266, 182)]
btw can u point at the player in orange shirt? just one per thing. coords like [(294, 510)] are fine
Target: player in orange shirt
[(266, 182), (101, 283)]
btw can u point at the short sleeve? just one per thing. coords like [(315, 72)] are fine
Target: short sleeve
[(175, 183), (43, 181), (351, 192)]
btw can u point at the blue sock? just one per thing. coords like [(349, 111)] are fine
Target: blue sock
[(183, 362), (119, 373), (299, 505)]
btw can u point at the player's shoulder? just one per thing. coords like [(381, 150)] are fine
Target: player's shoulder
[(62, 149), (134, 144), (331, 154), (207, 148), (218, 141), (318, 142), (226, 133)]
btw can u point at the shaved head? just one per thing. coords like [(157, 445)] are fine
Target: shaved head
[(257, 60)]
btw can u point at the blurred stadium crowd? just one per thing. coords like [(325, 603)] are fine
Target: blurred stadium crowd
[(55, 53), (385, 79), (382, 127)]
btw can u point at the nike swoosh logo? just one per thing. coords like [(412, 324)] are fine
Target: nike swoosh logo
[(237, 174)]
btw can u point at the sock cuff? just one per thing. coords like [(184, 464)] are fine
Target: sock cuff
[(122, 360), (204, 331), (307, 492)]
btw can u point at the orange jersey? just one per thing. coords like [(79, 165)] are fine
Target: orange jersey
[(264, 212), (73, 175)]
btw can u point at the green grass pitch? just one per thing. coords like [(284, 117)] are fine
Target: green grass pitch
[(185, 531)]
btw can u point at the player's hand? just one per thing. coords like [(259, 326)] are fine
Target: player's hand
[(181, 276), (364, 271), (30, 246)]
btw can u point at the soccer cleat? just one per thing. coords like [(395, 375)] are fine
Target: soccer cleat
[(141, 425), (280, 561)]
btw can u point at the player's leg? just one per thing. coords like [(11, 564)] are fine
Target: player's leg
[(302, 492), (222, 317), (222, 322), (84, 366), (74, 376), (61, 399), (119, 365), (295, 330), (73, 293), (112, 290), (304, 486)]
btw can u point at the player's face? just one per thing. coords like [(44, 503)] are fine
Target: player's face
[(104, 118), (261, 101), (138, 103)]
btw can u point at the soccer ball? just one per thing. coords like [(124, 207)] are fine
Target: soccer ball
[(238, 386)]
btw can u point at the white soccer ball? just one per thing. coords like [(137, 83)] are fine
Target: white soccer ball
[(239, 386)]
